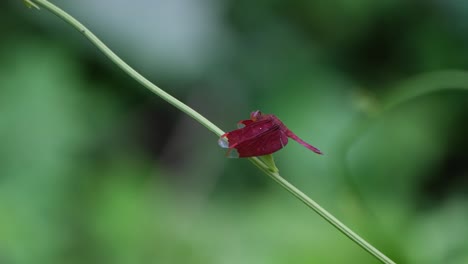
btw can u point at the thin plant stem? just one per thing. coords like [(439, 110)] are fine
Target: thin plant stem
[(324, 213), (125, 67), (212, 127)]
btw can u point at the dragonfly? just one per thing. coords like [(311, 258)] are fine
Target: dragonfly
[(260, 135)]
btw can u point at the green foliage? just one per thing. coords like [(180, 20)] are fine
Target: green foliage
[(95, 170)]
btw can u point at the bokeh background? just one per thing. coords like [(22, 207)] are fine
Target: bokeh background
[(96, 169)]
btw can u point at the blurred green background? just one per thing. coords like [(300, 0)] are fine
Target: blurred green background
[(96, 169)]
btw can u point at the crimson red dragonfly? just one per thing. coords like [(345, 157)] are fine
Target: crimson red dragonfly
[(260, 135)]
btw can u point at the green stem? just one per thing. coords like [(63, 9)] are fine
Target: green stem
[(212, 127), (126, 68), (323, 213)]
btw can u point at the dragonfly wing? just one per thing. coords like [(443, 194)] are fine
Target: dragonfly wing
[(264, 144), (251, 130), (244, 123)]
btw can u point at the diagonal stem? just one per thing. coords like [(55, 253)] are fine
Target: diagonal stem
[(325, 215), (125, 67), (210, 126)]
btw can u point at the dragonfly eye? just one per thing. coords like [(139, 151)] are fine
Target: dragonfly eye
[(255, 115), (223, 142)]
